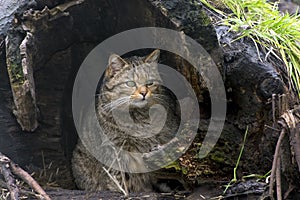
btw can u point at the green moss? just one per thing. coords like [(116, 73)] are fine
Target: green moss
[(205, 21), (15, 72)]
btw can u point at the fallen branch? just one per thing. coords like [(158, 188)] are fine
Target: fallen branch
[(278, 179), (290, 123), (10, 166), (9, 178), (275, 163)]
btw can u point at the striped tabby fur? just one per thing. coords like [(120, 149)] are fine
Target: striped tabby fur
[(133, 82)]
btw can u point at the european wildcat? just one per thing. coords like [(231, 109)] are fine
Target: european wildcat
[(135, 83)]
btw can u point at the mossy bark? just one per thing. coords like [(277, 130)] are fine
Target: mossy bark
[(19, 67)]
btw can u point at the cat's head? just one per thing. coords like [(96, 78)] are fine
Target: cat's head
[(131, 81)]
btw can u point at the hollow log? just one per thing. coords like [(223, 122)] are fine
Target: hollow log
[(45, 47)]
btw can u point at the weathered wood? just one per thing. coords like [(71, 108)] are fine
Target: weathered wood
[(8, 9), (276, 165), (285, 167), (8, 176), (29, 180), (8, 166)]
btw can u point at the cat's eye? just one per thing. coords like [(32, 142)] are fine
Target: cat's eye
[(149, 83), (130, 84)]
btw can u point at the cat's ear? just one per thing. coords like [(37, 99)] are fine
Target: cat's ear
[(153, 57), (115, 64)]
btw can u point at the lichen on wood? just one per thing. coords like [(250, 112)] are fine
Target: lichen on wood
[(19, 67)]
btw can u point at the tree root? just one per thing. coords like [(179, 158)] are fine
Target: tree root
[(289, 122), (8, 168), (276, 167)]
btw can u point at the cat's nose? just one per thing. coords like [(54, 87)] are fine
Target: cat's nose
[(143, 93)]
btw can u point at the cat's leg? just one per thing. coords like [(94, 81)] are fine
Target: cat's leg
[(88, 172)]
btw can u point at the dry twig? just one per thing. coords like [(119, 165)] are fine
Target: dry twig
[(275, 162), (114, 179), (15, 169), (8, 176), (289, 122)]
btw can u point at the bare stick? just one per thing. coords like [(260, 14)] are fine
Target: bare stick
[(117, 155), (287, 193), (121, 170), (272, 128), (125, 191), (115, 181), (278, 179), (274, 165), (10, 181), (274, 108), (24, 176), (29, 180)]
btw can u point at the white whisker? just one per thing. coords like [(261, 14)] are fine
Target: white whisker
[(116, 103)]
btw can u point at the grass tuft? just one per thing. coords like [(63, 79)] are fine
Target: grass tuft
[(262, 22), (234, 180)]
